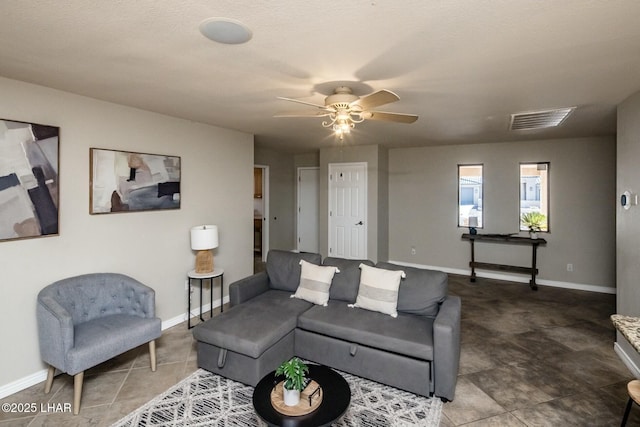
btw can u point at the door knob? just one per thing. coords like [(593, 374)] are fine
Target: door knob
[(359, 223)]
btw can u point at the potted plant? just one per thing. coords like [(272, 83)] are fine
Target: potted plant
[(534, 221), (294, 371)]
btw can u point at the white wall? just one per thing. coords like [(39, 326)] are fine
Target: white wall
[(153, 247), (423, 197)]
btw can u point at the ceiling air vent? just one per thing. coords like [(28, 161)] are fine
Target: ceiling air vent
[(539, 119)]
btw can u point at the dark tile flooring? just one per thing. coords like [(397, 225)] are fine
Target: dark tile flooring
[(536, 358), (528, 358)]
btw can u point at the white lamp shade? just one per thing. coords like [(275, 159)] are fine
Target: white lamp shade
[(473, 221), (204, 237)]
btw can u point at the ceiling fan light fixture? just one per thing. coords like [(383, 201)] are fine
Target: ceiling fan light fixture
[(342, 127), (225, 30), (344, 110), (343, 116)]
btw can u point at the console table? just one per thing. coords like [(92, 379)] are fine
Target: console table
[(505, 239)]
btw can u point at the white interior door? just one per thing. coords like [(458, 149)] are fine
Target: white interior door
[(348, 210), (308, 187)]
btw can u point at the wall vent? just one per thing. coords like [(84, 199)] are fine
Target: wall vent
[(539, 119)]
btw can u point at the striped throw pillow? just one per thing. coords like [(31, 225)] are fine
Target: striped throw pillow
[(315, 281), (379, 290)]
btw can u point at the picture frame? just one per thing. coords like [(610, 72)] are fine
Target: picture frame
[(29, 184), (128, 181)]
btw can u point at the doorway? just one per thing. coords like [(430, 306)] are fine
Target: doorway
[(348, 210), (260, 215), (307, 213)]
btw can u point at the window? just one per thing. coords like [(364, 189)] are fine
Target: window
[(470, 196), (534, 196)]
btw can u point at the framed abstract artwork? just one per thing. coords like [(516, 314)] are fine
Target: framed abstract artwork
[(123, 181), (29, 184)]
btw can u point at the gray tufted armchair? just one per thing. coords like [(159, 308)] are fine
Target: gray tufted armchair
[(89, 319)]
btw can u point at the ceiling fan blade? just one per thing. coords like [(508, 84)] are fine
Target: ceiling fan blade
[(311, 113), (301, 102), (376, 99), (389, 117)]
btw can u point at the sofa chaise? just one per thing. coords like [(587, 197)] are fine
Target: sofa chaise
[(418, 350)]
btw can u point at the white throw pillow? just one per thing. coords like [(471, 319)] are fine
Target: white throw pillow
[(378, 290), (315, 281)]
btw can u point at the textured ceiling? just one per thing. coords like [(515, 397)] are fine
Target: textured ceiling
[(463, 66)]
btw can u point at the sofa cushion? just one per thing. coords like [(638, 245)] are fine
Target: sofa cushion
[(315, 281), (378, 290), (421, 291), (345, 285), (407, 334), (283, 268), (253, 326)]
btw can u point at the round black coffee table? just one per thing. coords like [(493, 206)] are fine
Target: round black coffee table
[(335, 400)]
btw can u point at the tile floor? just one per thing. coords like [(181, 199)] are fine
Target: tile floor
[(540, 358), (528, 358)]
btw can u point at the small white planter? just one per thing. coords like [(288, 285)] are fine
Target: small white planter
[(291, 397), (533, 234)]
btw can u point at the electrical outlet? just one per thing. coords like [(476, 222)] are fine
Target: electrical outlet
[(413, 250), (569, 267)]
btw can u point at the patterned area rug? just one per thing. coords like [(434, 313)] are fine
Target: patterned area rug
[(206, 399)]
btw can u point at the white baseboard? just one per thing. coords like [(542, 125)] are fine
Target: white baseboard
[(629, 363), (40, 376), (515, 278), (195, 312), (22, 383)]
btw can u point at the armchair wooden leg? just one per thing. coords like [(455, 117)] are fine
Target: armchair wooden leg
[(152, 354), (77, 391), (50, 373)]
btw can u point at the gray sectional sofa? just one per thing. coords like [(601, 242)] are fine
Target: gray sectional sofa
[(418, 351)]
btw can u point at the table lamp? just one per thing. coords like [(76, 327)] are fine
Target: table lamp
[(473, 223), (203, 239)]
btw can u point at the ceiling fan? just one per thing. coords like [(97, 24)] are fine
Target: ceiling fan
[(344, 109)]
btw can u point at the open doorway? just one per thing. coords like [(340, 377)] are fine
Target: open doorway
[(260, 216)]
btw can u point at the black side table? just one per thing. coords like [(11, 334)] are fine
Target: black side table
[(336, 396), (218, 272)]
